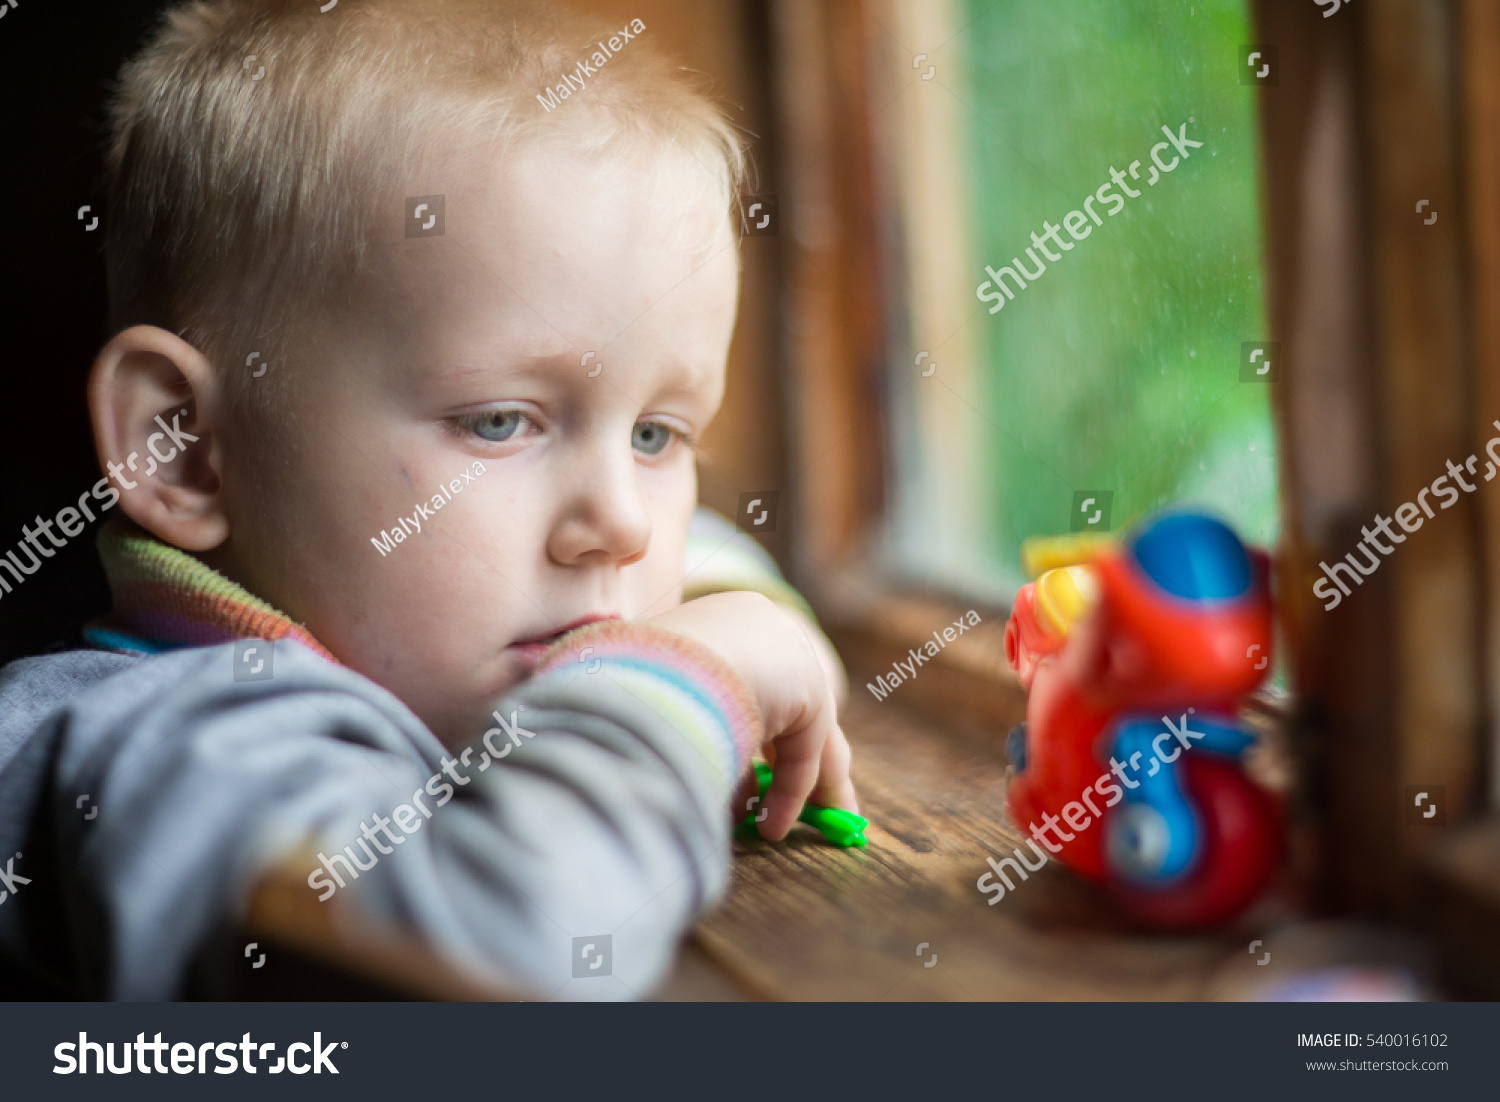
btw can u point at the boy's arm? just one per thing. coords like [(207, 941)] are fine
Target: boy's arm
[(603, 818), (723, 559)]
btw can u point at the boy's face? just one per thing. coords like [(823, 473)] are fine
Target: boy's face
[(468, 348)]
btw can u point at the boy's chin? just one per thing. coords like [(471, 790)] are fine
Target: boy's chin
[(456, 727)]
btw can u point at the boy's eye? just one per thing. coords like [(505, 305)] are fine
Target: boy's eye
[(495, 425), (650, 437)]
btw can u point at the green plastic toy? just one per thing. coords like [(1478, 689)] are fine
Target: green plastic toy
[(842, 828)]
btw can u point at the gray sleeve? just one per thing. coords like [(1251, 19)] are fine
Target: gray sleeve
[(602, 826)]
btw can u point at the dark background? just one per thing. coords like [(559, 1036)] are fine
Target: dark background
[(57, 62)]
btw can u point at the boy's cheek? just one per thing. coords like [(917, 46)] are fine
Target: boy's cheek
[(655, 587)]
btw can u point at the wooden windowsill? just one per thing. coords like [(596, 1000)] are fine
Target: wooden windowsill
[(1458, 885), (968, 687), (805, 920)]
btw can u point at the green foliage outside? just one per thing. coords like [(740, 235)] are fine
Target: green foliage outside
[(1118, 368)]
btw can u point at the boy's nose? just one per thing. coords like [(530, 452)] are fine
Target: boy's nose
[(605, 516)]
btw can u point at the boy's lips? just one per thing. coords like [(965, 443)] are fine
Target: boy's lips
[(536, 644)]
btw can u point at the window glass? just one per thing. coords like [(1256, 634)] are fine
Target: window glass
[(1120, 365)]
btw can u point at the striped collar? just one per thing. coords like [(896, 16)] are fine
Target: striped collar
[(165, 599)]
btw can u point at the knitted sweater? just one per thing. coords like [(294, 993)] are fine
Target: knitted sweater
[(148, 785)]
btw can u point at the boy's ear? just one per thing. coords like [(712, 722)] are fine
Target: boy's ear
[(153, 399)]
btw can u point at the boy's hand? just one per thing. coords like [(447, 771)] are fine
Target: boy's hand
[(775, 651)]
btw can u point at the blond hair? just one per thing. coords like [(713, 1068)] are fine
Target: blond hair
[(239, 198)]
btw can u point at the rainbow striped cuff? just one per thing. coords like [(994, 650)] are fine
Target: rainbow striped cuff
[(685, 682)]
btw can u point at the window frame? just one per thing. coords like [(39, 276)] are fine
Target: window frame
[(1379, 317)]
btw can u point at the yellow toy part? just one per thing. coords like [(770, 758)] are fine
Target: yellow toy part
[(1063, 596), (1042, 553)]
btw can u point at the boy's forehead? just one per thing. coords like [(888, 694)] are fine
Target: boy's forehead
[(552, 208), (544, 242)]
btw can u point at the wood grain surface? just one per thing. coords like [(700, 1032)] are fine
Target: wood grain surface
[(804, 920)]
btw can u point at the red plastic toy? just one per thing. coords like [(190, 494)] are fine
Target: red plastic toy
[(1129, 767)]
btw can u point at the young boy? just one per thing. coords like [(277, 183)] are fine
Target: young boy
[(417, 345)]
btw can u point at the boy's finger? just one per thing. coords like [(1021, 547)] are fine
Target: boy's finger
[(834, 788), (744, 793), (796, 771)]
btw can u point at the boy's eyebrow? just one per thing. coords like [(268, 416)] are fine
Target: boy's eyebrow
[(673, 373), (678, 375), (507, 363)]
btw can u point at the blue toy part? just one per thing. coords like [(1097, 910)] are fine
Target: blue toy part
[(1154, 838), (1192, 556), (1015, 746)]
